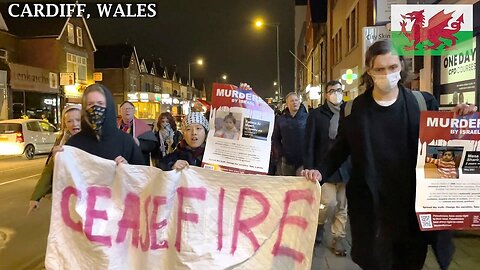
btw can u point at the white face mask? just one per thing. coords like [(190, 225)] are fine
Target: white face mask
[(336, 98), (386, 83)]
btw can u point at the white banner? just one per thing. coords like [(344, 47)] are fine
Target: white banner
[(137, 217)]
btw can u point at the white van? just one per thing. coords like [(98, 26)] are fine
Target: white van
[(26, 137)]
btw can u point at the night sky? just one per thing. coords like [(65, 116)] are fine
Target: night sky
[(219, 31)]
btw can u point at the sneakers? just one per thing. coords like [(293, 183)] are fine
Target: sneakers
[(339, 246)]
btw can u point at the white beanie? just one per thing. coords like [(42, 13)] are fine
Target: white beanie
[(195, 118)]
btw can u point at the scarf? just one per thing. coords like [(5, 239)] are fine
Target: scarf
[(125, 127), (333, 128), (197, 153)]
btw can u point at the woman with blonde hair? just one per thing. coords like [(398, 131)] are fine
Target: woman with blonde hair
[(71, 118)]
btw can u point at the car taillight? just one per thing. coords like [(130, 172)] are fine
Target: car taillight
[(19, 137)]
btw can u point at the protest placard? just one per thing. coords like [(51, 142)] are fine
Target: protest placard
[(448, 172), (241, 125)]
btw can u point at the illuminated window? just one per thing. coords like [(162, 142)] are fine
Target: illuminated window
[(79, 37), (147, 110), (77, 64), (71, 34)]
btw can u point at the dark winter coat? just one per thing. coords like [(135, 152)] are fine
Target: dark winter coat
[(381, 191), (317, 143), (145, 136), (113, 142), (182, 152), (288, 136)]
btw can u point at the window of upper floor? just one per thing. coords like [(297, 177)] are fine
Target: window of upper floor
[(79, 37), (71, 33), (78, 65), (4, 54), (352, 25), (337, 46), (133, 83)]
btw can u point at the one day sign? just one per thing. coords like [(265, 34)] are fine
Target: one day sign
[(139, 217), (430, 29)]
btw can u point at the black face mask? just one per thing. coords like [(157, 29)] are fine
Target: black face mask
[(96, 117)]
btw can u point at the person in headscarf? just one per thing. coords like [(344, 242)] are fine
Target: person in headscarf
[(71, 118), (100, 135), (190, 150)]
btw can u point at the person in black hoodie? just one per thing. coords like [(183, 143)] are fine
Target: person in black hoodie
[(190, 150), (99, 135), (288, 136), (381, 136), (320, 133)]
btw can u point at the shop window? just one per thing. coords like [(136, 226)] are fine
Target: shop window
[(146, 110), (77, 64), (79, 37), (71, 34)]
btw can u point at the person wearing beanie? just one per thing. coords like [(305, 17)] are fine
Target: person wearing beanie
[(190, 150)]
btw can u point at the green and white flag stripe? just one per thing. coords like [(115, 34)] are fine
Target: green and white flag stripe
[(404, 45)]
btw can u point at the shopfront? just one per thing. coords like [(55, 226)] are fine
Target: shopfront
[(456, 76), (34, 93), (147, 105)]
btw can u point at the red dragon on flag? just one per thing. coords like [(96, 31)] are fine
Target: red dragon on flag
[(437, 27)]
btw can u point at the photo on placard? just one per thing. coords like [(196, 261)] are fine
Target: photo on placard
[(227, 125), (442, 162)]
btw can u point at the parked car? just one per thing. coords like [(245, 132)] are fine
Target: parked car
[(26, 137)]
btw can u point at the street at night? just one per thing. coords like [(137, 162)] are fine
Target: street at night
[(240, 134), (23, 239)]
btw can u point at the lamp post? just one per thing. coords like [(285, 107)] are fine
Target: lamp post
[(198, 62), (259, 24)]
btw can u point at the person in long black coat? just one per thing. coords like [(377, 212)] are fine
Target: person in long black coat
[(381, 135), (320, 133)]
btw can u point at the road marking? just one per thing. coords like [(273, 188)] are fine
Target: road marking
[(37, 165), (19, 179)]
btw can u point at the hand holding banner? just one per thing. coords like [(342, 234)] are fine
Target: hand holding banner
[(139, 217)]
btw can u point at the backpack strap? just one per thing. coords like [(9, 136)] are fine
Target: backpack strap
[(348, 108), (422, 105)]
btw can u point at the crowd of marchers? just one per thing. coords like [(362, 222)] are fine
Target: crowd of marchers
[(362, 151)]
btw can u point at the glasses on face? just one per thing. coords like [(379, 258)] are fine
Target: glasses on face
[(127, 109), (338, 90)]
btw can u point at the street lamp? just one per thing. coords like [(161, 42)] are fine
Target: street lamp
[(198, 62), (224, 77), (274, 83), (258, 24)]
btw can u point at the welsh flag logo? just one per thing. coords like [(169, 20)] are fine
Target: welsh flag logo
[(430, 29)]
